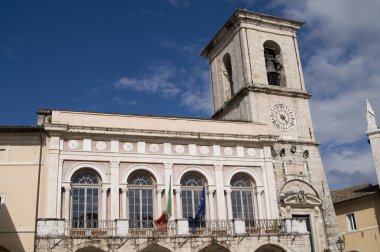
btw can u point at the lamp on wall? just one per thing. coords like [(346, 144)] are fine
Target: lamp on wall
[(340, 244)]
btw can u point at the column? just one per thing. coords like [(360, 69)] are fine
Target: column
[(270, 189), (67, 202), (52, 177), (59, 187), (159, 201), (259, 198), (104, 203), (210, 193), (220, 192), (115, 190), (229, 204), (124, 205), (179, 203)]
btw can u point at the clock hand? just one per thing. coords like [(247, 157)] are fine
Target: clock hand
[(283, 118)]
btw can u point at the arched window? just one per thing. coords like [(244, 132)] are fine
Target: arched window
[(85, 199), (140, 188), (227, 72), (242, 197), (191, 187), (274, 64)]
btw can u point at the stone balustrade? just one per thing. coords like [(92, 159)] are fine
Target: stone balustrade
[(179, 227)]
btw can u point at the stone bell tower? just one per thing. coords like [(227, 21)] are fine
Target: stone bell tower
[(256, 77), (256, 74)]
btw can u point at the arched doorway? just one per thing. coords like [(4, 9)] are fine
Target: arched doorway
[(270, 248), (214, 248), (90, 249), (155, 248)]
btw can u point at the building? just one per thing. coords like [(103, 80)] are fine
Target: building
[(103, 178), (358, 207)]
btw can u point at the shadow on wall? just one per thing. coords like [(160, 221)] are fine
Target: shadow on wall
[(9, 238)]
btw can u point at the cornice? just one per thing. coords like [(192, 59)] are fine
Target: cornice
[(243, 17), (169, 137), (373, 133), (263, 89), (55, 129)]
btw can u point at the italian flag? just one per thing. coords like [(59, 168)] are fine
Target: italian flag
[(161, 223)]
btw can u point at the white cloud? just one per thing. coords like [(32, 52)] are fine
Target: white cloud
[(190, 86), (341, 69), (160, 78)]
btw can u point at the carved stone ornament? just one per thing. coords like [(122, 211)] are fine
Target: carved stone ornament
[(179, 149), (73, 144), (302, 198), (154, 148), (101, 146), (128, 147), (204, 150), (251, 152), (228, 151), (285, 212)]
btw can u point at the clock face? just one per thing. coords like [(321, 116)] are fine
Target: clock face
[(283, 117)]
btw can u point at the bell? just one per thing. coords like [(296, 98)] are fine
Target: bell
[(270, 66)]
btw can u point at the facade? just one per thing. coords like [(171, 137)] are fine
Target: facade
[(19, 164), (358, 207), (358, 213), (104, 177)]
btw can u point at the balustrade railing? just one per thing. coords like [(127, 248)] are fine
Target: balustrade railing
[(213, 227), (90, 228), (276, 79), (146, 228), (264, 226), (101, 228)]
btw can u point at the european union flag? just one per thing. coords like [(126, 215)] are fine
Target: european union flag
[(202, 204), (201, 212)]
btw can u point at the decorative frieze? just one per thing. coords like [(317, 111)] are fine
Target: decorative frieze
[(116, 146)]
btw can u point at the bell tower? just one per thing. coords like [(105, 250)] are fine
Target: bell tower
[(256, 74), (256, 77)]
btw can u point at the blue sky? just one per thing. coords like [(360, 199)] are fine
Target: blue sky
[(142, 57)]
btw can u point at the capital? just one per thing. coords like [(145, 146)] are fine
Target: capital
[(218, 167), (168, 165), (115, 164)]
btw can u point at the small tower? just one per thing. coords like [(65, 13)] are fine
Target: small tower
[(374, 138), (256, 74)]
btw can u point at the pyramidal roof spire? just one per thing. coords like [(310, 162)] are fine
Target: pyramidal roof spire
[(370, 115)]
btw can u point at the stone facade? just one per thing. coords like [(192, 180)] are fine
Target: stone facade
[(105, 177)]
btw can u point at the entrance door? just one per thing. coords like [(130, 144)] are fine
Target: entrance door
[(306, 218)]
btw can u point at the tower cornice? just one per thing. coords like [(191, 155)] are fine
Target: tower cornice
[(248, 17), (265, 89)]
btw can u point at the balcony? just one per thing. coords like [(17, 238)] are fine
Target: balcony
[(120, 228)]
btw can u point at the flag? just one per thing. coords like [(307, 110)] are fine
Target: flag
[(161, 223), (201, 212)]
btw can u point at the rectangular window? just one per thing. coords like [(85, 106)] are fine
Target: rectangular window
[(351, 222)]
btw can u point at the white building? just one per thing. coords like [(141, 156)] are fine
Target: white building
[(104, 178)]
